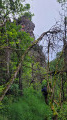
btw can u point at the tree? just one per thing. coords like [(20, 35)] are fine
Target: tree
[(11, 9), (64, 39), (10, 32), (12, 38)]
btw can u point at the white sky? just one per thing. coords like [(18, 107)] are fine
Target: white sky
[(46, 14)]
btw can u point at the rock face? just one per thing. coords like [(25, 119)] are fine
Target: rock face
[(27, 25), (36, 52)]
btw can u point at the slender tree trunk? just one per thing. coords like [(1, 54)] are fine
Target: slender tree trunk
[(48, 67), (7, 55), (20, 81), (32, 73), (62, 89), (20, 71), (7, 61), (65, 45), (52, 99), (61, 96)]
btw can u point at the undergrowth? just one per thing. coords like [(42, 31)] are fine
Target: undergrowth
[(31, 106)]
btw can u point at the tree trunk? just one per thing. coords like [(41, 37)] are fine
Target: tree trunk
[(32, 73), (20, 81), (65, 45), (62, 89), (7, 62)]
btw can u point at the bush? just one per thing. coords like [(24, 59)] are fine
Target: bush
[(31, 106), (3, 118), (14, 90), (63, 112)]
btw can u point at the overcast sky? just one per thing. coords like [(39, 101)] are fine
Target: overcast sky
[(46, 13)]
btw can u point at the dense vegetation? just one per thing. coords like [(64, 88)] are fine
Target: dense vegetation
[(29, 107), (24, 69)]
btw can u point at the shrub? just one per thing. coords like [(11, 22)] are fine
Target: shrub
[(31, 106), (63, 112)]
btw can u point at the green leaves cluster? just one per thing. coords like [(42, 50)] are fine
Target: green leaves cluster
[(61, 1), (10, 9)]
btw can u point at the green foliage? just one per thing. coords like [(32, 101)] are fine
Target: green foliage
[(15, 39), (30, 107), (14, 89), (14, 36), (44, 83), (27, 6), (61, 1), (28, 15), (1, 88), (56, 63), (3, 118), (13, 8), (63, 112)]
